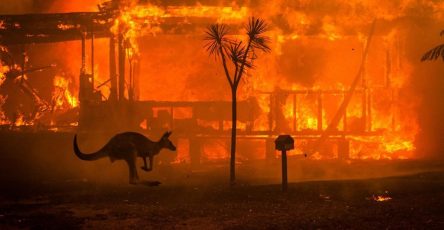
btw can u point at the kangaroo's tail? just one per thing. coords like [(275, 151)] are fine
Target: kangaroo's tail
[(88, 157)]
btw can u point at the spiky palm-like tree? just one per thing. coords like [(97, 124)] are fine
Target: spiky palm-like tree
[(236, 57), (434, 53)]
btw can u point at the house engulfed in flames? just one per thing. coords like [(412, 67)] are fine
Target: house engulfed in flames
[(140, 66)]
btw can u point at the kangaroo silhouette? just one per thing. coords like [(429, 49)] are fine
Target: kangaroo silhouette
[(128, 146)]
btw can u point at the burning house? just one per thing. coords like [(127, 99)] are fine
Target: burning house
[(337, 72)]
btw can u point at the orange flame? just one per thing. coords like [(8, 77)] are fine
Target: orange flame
[(62, 97)]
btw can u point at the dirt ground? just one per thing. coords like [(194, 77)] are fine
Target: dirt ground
[(417, 202), (44, 186)]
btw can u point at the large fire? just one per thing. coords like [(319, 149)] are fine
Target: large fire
[(316, 47)]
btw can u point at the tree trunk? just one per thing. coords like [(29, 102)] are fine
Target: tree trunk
[(233, 136)]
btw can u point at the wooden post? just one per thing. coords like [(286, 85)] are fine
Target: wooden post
[(365, 92), (284, 143), (284, 171), (112, 68), (136, 78), (82, 85), (83, 67), (121, 53), (130, 83)]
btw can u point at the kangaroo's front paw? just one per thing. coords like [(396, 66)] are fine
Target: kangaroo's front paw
[(145, 169)]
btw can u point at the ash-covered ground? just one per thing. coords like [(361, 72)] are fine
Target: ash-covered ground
[(44, 186), (416, 203)]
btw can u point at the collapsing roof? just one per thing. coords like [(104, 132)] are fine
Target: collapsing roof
[(42, 28)]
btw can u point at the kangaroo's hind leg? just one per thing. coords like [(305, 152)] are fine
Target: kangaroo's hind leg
[(133, 177), (144, 167), (151, 163)]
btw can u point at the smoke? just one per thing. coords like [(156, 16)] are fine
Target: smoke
[(16, 6)]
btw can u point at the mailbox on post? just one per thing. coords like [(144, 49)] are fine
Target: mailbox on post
[(284, 143)]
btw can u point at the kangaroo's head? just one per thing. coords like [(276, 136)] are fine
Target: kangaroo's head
[(166, 143)]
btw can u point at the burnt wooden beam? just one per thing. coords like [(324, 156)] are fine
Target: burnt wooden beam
[(44, 28), (48, 28)]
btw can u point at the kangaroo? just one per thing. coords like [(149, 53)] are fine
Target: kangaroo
[(128, 146)]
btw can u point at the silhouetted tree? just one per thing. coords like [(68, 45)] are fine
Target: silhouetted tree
[(434, 53), (236, 57)]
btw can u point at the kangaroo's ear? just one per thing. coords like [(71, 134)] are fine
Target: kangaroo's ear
[(167, 134)]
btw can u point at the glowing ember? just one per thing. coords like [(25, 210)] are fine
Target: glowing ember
[(381, 198), (65, 27)]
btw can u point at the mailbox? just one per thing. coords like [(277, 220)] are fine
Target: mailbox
[(284, 143)]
